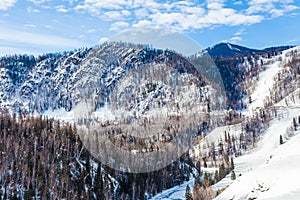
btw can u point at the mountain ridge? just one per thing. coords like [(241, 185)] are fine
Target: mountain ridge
[(227, 50)]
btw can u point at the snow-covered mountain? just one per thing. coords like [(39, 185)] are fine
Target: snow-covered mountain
[(124, 83), (59, 81), (228, 49)]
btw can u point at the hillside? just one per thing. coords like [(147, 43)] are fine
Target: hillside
[(263, 167)]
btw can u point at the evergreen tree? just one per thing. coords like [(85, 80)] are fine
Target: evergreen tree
[(198, 167), (231, 163), (233, 177), (295, 124), (280, 140), (99, 184), (222, 172), (188, 194)]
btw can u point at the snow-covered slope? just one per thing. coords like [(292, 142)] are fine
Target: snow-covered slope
[(270, 171), (266, 80)]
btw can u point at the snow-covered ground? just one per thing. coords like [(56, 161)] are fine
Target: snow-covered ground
[(175, 193), (270, 172)]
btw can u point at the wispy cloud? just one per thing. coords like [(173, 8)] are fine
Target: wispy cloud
[(117, 26), (235, 39), (31, 10), (238, 3), (91, 31), (38, 2), (62, 9), (5, 4), (36, 40), (30, 25)]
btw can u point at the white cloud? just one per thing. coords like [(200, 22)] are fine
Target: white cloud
[(112, 15), (91, 31), (31, 10), (235, 39), (48, 26), (34, 39), (275, 8), (183, 15), (117, 26), (61, 9), (30, 25), (94, 6), (5, 4), (38, 2), (240, 32), (238, 3)]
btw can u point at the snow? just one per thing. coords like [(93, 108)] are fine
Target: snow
[(266, 80), (270, 172), (264, 84), (232, 48), (60, 114), (177, 192), (214, 136)]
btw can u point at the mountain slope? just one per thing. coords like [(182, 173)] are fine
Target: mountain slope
[(229, 50), (265, 168)]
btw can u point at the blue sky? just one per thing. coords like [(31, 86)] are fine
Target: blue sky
[(40, 26)]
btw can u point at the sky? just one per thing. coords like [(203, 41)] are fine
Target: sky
[(42, 26)]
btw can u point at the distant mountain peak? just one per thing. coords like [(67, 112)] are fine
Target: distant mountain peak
[(226, 49)]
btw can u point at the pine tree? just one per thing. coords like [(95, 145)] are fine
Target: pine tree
[(231, 163), (99, 184), (205, 164), (188, 194), (280, 140), (222, 172), (198, 167), (233, 177), (295, 124)]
